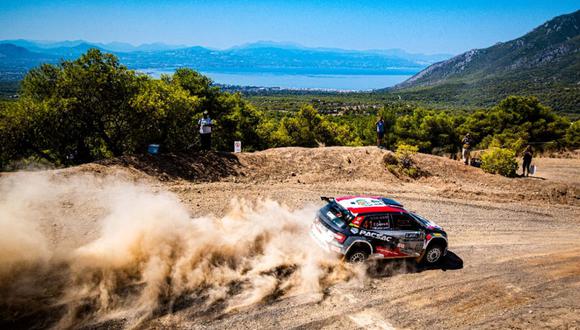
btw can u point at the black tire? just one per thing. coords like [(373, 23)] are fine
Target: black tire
[(433, 254), (357, 256)]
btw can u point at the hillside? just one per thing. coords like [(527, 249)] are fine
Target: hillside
[(545, 62), (15, 61), (13, 51)]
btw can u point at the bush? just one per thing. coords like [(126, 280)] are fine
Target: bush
[(573, 135), (390, 159), (499, 161), (405, 153), (401, 163)]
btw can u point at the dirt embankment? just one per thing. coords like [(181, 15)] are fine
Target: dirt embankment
[(556, 182), (221, 240)]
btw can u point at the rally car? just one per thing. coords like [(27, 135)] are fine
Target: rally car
[(363, 227)]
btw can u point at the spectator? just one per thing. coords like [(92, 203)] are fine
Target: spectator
[(205, 125), (466, 153), (380, 131), (528, 153)]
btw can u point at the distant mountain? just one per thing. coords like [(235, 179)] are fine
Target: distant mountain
[(126, 48), (276, 57), (12, 54), (13, 51), (263, 56), (15, 61), (545, 62), (47, 46), (392, 53), (420, 58), (71, 51), (29, 45), (116, 46), (266, 43)]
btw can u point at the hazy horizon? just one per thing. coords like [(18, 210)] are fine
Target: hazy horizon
[(419, 27), (279, 43)]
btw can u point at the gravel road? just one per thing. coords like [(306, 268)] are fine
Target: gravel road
[(513, 262)]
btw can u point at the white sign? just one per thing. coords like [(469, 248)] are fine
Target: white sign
[(237, 146)]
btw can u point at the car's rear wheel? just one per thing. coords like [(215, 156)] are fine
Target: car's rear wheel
[(433, 254), (357, 256)]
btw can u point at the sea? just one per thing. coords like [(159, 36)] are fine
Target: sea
[(298, 81)]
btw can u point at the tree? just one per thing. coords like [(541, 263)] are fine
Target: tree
[(164, 113), (86, 105), (308, 128), (234, 118), (428, 130), (514, 122)]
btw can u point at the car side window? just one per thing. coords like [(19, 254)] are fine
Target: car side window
[(403, 221), (378, 222)]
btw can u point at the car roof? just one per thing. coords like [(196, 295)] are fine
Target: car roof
[(367, 204)]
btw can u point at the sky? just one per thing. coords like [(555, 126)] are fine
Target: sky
[(434, 26)]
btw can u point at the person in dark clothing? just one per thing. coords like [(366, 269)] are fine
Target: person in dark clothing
[(466, 152), (380, 124), (205, 125), (528, 154)]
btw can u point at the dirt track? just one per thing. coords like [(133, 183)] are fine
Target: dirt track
[(515, 253)]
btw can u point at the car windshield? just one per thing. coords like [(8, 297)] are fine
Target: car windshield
[(421, 220)]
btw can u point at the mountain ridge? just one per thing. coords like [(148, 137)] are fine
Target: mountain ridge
[(542, 62), (123, 47), (268, 57)]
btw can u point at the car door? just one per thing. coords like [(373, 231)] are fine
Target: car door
[(410, 234), (378, 229)]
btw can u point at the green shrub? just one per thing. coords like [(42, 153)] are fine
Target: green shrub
[(499, 161), (573, 135), (401, 163), (405, 153), (390, 159)]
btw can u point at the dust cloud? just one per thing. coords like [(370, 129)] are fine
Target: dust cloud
[(80, 250)]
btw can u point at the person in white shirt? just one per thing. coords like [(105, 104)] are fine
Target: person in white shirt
[(205, 125)]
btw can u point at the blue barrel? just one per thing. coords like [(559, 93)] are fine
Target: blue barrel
[(153, 149)]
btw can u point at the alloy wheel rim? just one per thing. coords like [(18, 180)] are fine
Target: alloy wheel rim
[(357, 257), (433, 255)]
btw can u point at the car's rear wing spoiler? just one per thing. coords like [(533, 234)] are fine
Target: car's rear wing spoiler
[(387, 201), (327, 199)]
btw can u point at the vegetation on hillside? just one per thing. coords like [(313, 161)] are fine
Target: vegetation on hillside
[(545, 63), (94, 108)]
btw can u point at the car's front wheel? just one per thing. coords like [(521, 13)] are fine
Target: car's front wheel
[(433, 254)]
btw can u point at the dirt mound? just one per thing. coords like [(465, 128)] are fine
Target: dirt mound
[(202, 166), (444, 176)]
